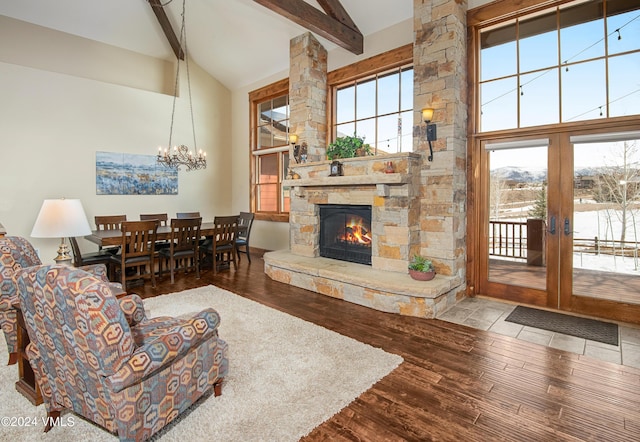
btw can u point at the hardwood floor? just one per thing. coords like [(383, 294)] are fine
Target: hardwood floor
[(456, 383)]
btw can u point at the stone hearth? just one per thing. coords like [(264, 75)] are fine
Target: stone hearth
[(391, 292)]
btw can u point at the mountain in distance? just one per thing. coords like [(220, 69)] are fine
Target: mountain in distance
[(524, 175), (520, 174)]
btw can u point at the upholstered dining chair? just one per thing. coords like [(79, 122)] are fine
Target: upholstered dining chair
[(102, 359), (15, 253), (183, 246), (91, 262), (109, 222), (245, 222), (80, 259), (222, 247), (137, 251)]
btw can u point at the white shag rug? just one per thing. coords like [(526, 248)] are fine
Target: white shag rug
[(286, 377)]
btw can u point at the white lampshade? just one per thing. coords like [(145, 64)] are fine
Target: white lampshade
[(61, 218)]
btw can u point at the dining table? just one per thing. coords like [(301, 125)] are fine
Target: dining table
[(114, 237)]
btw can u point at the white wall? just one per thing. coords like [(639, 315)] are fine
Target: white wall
[(275, 235), (54, 117), (53, 123)]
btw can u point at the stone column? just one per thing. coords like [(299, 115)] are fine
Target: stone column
[(440, 82), (308, 94)]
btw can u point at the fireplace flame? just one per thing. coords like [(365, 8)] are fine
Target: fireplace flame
[(356, 233)]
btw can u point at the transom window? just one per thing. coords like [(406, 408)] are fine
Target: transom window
[(577, 61)]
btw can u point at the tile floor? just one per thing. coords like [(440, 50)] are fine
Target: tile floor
[(489, 314)]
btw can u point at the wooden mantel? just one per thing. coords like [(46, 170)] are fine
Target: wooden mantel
[(355, 180)]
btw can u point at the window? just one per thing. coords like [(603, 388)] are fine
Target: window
[(374, 99), (577, 61), (270, 151)]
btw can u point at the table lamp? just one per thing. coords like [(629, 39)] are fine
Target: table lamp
[(61, 218)]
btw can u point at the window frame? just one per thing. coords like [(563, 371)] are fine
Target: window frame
[(400, 58), (506, 13), (256, 97)]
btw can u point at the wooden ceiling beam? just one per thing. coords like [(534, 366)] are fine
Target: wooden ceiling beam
[(161, 15), (334, 9), (328, 26)]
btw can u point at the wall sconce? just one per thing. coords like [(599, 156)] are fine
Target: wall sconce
[(427, 115), (293, 140)]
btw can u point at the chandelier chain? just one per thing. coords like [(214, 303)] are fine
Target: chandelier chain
[(180, 155)]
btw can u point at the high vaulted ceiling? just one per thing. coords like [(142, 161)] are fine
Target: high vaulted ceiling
[(237, 41)]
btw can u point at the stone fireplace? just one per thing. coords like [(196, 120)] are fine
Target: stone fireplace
[(392, 232), (417, 209)]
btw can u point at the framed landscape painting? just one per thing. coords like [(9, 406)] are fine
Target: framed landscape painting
[(132, 174)]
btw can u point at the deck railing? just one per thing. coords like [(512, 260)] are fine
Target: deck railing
[(508, 239)]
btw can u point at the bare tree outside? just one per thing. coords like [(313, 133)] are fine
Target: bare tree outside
[(497, 194), (618, 186)]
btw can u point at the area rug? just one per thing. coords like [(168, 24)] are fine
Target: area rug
[(286, 377), (586, 328)]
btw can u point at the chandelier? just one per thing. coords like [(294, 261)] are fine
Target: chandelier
[(181, 155)]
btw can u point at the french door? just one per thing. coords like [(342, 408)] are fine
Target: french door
[(559, 222)]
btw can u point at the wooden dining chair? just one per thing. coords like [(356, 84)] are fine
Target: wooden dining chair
[(245, 221), (183, 251), (163, 218), (137, 251), (109, 222), (182, 215), (222, 247)]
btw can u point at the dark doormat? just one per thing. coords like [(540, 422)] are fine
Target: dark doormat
[(591, 329)]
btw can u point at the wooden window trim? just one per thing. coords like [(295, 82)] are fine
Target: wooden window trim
[(372, 65), (267, 92)]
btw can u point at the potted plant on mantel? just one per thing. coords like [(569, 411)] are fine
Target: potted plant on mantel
[(421, 268), (348, 147)]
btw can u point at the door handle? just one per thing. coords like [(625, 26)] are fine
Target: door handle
[(552, 225), (567, 227)]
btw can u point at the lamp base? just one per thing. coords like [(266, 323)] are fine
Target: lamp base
[(63, 257)]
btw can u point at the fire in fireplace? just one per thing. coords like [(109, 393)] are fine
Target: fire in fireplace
[(345, 233)]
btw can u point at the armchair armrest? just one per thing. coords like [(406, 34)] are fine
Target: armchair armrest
[(133, 309), (159, 352)]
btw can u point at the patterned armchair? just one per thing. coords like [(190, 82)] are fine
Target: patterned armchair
[(103, 359), (15, 253)]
